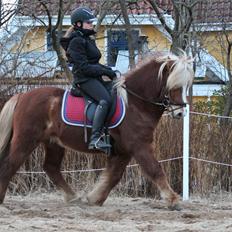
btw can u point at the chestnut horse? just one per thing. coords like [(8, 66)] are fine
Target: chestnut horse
[(29, 119)]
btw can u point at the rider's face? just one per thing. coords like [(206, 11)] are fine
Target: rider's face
[(88, 25)]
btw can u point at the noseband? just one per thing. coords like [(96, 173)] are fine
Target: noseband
[(165, 103), (170, 104)]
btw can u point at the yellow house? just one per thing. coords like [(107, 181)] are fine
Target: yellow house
[(38, 40)]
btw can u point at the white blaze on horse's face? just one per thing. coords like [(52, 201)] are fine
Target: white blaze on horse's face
[(178, 99)]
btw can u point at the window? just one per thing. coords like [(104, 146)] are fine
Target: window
[(117, 41), (49, 42)]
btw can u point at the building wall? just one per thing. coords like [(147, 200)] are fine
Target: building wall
[(215, 43), (156, 40), (35, 40)]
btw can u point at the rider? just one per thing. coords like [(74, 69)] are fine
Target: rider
[(88, 72)]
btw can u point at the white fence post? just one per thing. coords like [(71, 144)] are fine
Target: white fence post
[(186, 155)]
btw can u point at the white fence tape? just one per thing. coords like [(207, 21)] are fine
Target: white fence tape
[(128, 166), (94, 170), (210, 115), (210, 162)]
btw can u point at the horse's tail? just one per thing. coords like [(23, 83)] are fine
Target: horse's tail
[(6, 124)]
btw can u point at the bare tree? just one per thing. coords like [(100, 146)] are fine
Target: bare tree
[(228, 103), (102, 12), (219, 44), (56, 31), (183, 17), (7, 11), (226, 46), (129, 33)]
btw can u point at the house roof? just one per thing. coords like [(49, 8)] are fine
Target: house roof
[(28, 7), (214, 11), (208, 66), (211, 11)]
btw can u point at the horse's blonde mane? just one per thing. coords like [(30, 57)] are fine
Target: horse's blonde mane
[(181, 70), (119, 84)]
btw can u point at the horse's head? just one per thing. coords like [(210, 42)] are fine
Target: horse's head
[(178, 75)]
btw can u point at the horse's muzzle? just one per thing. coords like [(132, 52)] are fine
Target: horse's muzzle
[(177, 112)]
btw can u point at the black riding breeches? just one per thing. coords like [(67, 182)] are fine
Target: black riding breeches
[(97, 90)]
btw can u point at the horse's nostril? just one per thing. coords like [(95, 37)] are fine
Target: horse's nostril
[(179, 115)]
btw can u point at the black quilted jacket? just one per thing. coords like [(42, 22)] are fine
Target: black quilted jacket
[(83, 53)]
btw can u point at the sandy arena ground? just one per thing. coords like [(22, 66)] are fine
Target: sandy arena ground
[(47, 212)]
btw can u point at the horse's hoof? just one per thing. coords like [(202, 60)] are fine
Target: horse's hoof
[(175, 207), (74, 200), (93, 202), (70, 198), (77, 201)]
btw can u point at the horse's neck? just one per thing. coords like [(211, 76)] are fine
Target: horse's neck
[(145, 84), (142, 115), (143, 112)]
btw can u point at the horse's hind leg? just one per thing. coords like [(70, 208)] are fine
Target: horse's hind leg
[(109, 178), (151, 167), (52, 164), (20, 148)]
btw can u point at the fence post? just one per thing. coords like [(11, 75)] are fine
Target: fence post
[(186, 155)]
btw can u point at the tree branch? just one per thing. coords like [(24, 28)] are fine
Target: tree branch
[(49, 28), (102, 13), (128, 32), (160, 16)]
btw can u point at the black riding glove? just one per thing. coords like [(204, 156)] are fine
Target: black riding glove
[(110, 73)]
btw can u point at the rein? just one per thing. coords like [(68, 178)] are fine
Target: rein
[(165, 103)]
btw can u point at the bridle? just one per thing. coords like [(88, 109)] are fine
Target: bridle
[(166, 103)]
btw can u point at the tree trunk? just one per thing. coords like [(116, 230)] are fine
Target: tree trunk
[(62, 60), (128, 33), (0, 13), (228, 104), (183, 20), (105, 6), (179, 41)]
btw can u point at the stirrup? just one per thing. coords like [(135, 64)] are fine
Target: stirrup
[(96, 146)]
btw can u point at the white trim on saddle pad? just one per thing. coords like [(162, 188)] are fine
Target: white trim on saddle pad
[(89, 126)]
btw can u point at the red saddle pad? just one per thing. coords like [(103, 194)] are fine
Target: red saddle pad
[(72, 111)]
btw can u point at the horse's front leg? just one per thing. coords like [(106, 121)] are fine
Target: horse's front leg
[(151, 167), (116, 165)]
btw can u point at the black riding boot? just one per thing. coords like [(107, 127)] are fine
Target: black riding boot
[(96, 141)]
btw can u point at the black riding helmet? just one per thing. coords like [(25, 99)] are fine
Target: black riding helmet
[(82, 14)]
